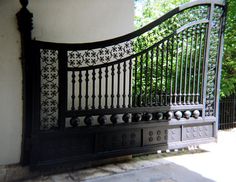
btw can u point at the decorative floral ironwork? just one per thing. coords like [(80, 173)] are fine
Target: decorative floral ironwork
[(75, 59), (104, 55), (99, 56), (49, 88), (212, 61)]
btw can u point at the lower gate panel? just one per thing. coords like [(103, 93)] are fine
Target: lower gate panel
[(87, 144)]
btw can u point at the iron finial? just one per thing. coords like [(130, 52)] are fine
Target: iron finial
[(24, 3)]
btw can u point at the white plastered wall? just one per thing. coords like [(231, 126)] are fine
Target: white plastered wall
[(55, 21), (10, 84), (81, 20)]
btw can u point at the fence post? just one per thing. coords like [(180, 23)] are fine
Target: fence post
[(25, 26), (219, 67), (62, 58)]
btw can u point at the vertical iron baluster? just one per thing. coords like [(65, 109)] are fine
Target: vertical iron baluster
[(190, 65), (199, 68), (86, 95), (151, 73), (221, 123), (146, 80), (226, 115), (176, 69), (135, 82), (130, 82), (186, 68), (106, 87), (93, 95), (161, 72), (112, 85), (141, 80), (100, 89), (124, 82), (32, 82), (118, 86), (223, 115), (166, 72), (156, 84), (80, 90), (205, 52), (73, 91), (181, 69), (218, 77), (171, 68), (63, 89), (195, 68)]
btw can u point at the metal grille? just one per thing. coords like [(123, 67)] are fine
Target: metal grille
[(227, 112), (49, 88)]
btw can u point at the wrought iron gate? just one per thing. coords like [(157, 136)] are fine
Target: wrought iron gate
[(154, 89)]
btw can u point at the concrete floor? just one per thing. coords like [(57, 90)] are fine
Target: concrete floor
[(211, 162)]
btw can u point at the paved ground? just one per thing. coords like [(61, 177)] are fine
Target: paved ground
[(212, 162)]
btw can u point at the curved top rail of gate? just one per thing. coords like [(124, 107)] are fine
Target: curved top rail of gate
[(128, 37), (167, 70)]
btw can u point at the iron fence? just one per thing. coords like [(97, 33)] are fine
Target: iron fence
[(227, 112)]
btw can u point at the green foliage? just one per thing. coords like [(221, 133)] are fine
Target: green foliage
[(153, 9), (228, 83)]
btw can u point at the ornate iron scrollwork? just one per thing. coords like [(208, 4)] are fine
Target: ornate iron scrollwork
[(213, 60), (49, 88)]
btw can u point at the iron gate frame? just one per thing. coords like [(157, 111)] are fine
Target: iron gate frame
[(35, 140)]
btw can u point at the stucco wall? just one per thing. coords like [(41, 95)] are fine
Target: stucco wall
[(57, 21), (10, 84), (81, 21)]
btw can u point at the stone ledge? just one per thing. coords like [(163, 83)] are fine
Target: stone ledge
[(16, 172), (90, 170)]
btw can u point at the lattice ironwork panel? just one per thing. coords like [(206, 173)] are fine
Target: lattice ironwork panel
[(49, 88)]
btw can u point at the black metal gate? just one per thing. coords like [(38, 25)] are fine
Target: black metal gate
[(154, 89)]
